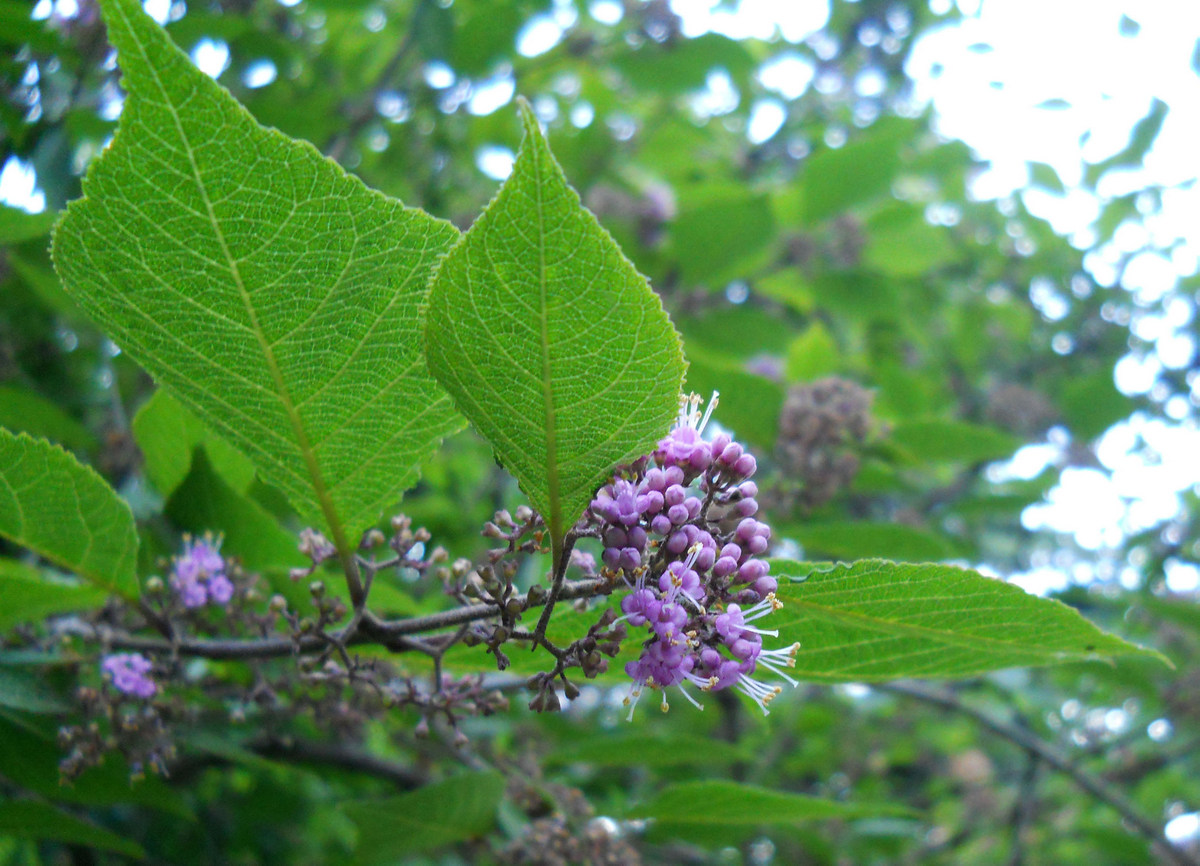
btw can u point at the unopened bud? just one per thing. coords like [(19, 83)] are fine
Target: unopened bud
[(154, 584), (317, 588), (278, 604)]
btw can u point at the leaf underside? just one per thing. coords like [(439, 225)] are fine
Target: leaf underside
[(274, 295)]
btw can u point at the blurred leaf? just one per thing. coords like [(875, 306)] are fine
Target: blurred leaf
[(720, 233), (709, 812), (17, 225), (1046, 177), (30, 596), (549, 340), (25, 819), (426, 819), (838, 179), (1091, 404), (866, 540), (26, 411), (901, 243), (65, 512), (812, 354), (167, 434), (1054, 104), (639, 749), (205, 503), (29, 693), (680, 65), (274, 295), (30, 759), (750, 404), (1141, 139), (875, 620), (935, 440)]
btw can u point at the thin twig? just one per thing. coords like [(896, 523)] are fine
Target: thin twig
[(393, 634), (1034, 745)]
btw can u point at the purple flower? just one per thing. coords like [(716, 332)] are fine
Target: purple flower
[(199, 575), (128, 672)]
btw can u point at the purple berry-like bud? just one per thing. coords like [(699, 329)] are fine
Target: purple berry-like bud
[(636, 538), (732, 551), (693, 506), (629, 559), (752, 569), (705, 558), (730, 454), (675, 495), (655, 480), (720, 442), (652, 502), (678, 542), (747, 647), (615, 537), (745, 466), (746, 507), (673, 475), (748, 489), (678, 514), (661, 524), (724, 566), (758, 545), (611, 556), (764, 586)]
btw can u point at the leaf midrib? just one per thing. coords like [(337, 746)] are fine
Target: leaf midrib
[(548, 404), (282, 392)]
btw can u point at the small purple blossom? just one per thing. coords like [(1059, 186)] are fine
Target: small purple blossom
[(199, 574), (128, 672)]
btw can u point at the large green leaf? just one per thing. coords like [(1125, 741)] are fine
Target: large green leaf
[(868, 539), (65, 512), (549, 340), (428, 818), (876, 620), (25, 819), (936, 440), (274, 295)]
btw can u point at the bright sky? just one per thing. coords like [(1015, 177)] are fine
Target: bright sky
[(1051, 81)]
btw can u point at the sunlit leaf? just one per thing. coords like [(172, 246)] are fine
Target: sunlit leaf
[(272, 294), (549, 340)]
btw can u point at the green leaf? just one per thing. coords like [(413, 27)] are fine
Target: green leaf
[(938, 441), (274, 295), (30, 596), (835, 180), (876, 620), (25, 819), (865, 539), (901, 243), (29, 759), (639, 749), (167, 434), (812, 354), (549, 340), (1091, 403), (428, 818), (65, 512), (750, 404), (28, 692), (205, 503), (26, 411), (714, 811), (1044, 176), (720, 233), (17, 225)]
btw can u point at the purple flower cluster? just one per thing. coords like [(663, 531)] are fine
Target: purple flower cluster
[(679, 528), (129, 674), (199, 575)]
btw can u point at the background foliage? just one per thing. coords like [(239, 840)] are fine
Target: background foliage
[(844, 245)]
